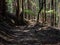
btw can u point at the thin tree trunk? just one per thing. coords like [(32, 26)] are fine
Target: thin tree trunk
[(40, 7), (44, 5), (55, 13), (52, 15), (29, 7), (22, 16), (17, 12)]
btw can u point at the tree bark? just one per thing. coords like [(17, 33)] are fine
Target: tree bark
[(40, 8), (44, 5), (29, 8), (52, 15)]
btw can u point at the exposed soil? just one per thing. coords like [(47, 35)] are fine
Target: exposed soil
[(28, 35)]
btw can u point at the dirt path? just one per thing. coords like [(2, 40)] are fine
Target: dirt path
[(35, 36)]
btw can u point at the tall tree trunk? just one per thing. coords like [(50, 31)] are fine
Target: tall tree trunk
[(52, 15), (20, 15), (40, 8), (17, 12), (3, 7), (55, 11), (25, 8), (29, 8), (44, 5)]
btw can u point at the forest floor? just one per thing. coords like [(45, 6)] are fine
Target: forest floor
[(33, 35)]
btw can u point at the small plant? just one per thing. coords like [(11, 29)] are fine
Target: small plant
[(29, 11)]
